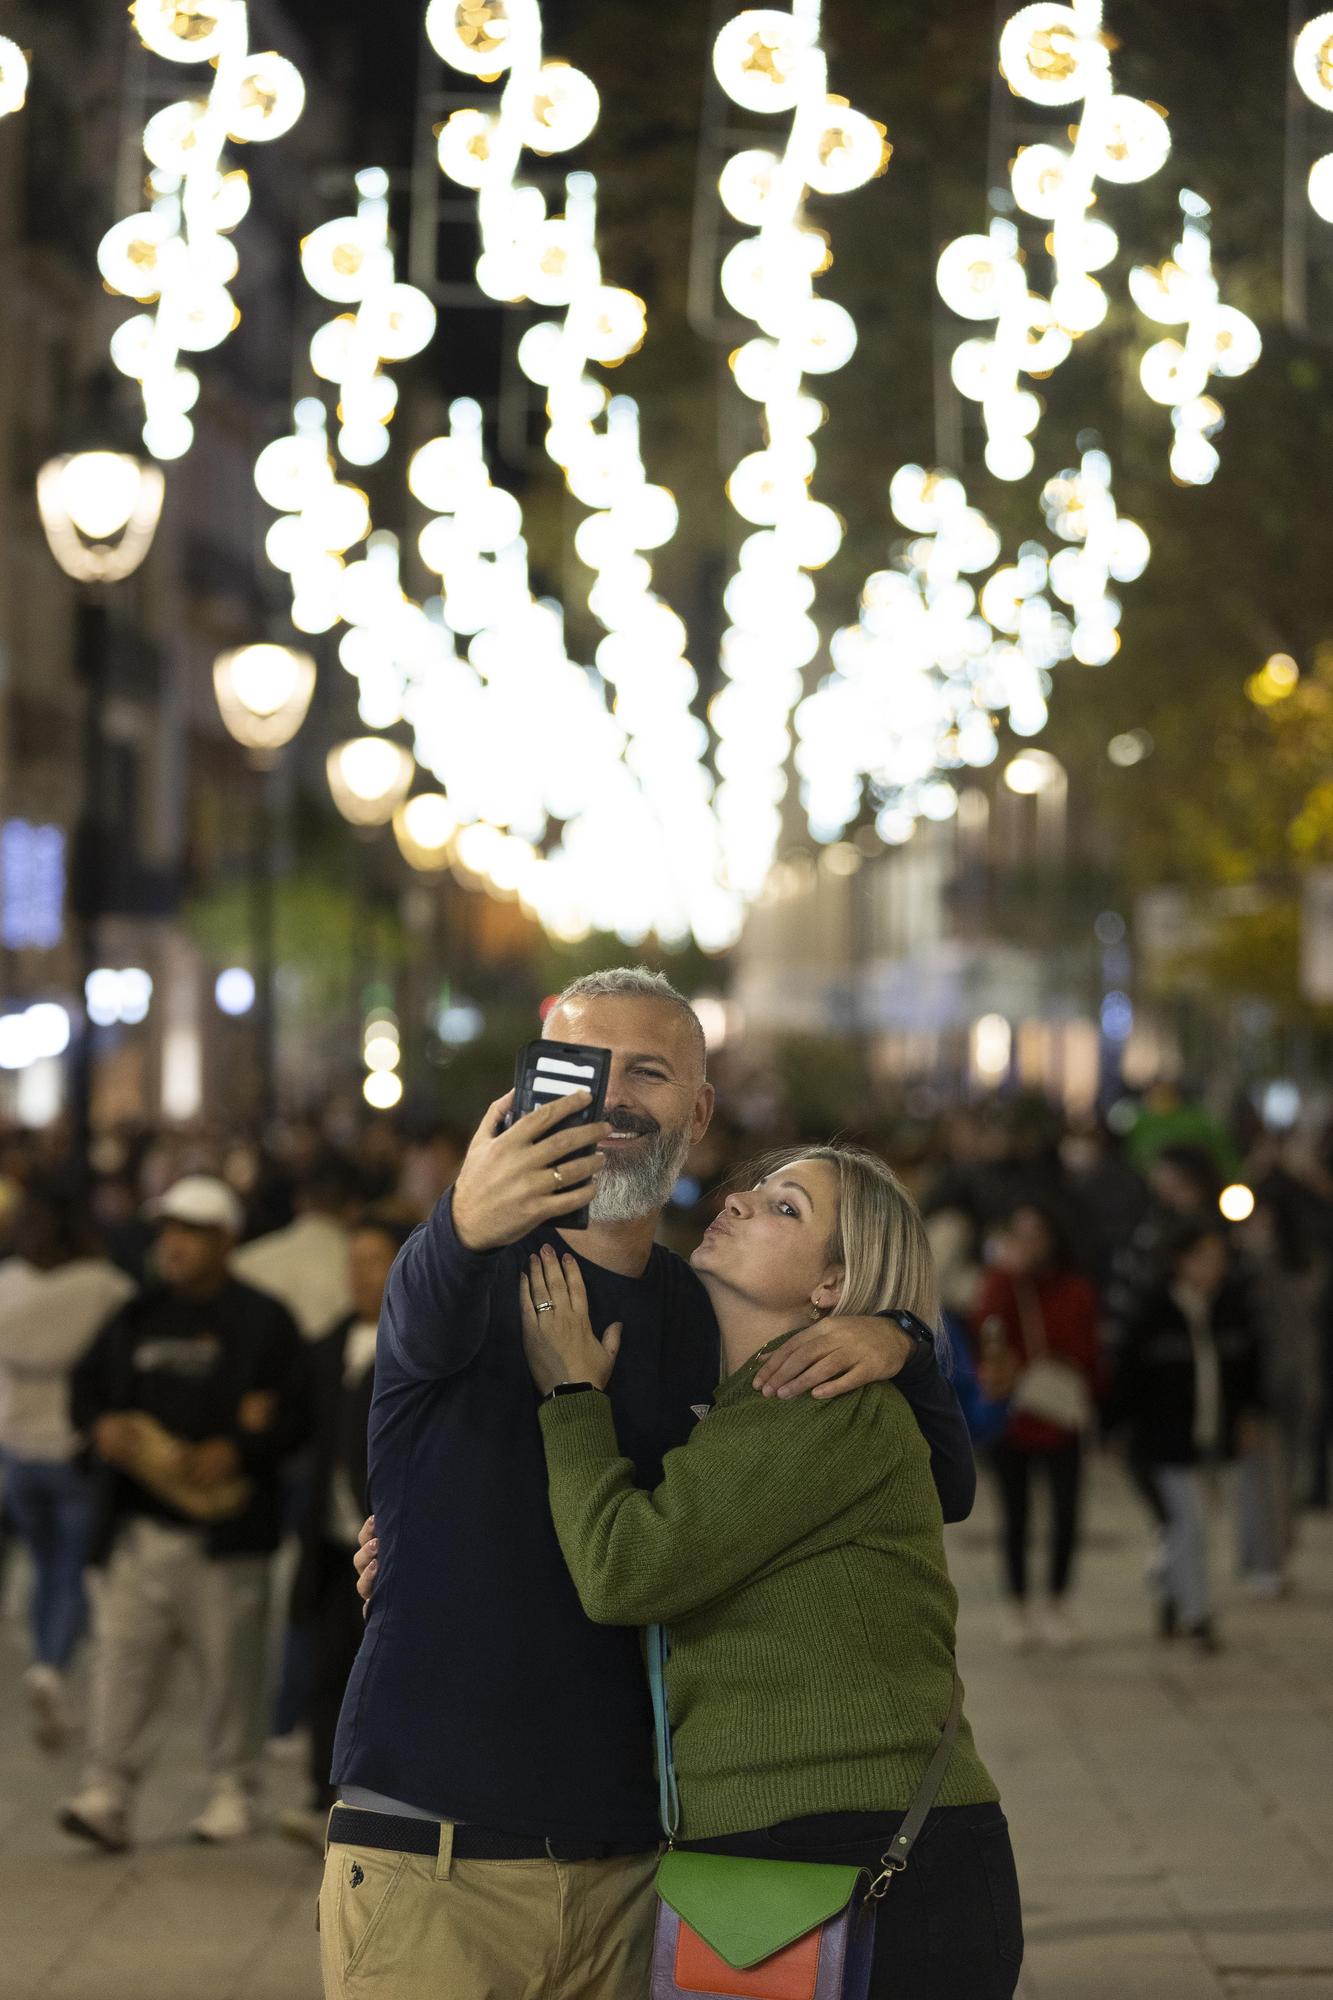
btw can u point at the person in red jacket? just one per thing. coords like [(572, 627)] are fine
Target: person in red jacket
[(1035, 1326)]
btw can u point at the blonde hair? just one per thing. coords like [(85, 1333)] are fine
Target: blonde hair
[(878, 1235)]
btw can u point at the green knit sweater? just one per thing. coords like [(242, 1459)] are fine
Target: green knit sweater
[(795, 1553)]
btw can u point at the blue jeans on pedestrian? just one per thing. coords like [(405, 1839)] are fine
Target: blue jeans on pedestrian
[(50, 1506)]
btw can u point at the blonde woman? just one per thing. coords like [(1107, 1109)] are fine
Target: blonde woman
[(794, 1551)]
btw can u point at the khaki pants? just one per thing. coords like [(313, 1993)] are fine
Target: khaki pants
[(416, 1927), (161, 1592)]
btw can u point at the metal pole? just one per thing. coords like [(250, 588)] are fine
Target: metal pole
[(92, 631), (263, 832)]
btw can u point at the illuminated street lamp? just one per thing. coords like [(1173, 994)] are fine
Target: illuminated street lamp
[(1037, 775), (13, 77), (369, 778), (263, 695), (424, 828), (99, 510), (1032, 772)]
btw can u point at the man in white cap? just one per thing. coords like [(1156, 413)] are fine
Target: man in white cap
[(189, 1399)]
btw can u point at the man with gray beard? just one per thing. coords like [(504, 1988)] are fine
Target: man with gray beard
[(496, 1831)]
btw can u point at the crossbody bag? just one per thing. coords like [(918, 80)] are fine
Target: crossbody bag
[(731, 1928), (1055, 1391)]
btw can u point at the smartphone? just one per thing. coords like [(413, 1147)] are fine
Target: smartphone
[(547, 1070)]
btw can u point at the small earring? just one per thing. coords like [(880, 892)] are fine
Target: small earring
[(816, 1313)]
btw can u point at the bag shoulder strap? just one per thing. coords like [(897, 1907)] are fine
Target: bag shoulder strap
[(668, 1795), (1031, 1318), (905, 1839)]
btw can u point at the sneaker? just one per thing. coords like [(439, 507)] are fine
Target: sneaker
[(50, 1718), (305, 1825), (1204, 1635), (1015, 1627), (96, 1815), (1055, 1628), (229, 1815)]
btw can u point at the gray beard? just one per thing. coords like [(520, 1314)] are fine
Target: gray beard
[(627, 1190)]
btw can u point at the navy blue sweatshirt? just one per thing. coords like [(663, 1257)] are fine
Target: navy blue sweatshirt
[(481, 1692)]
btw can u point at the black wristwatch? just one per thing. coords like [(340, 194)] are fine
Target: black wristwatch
[(568, 1389), (915, 1329)]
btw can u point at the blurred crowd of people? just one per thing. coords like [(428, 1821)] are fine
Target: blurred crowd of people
[(187, 1343), (187, 1346)]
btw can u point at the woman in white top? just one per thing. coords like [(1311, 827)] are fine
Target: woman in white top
[(54, 1297)]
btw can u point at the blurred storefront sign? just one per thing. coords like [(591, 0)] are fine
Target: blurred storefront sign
[(32, 885)]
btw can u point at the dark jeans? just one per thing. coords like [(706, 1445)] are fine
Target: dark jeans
[(1014, 1470), (50, 1507), (950, 1926)]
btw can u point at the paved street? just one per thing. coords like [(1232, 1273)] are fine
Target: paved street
[(1173, 1815)]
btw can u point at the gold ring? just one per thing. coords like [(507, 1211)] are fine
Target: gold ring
[(559, 1181)]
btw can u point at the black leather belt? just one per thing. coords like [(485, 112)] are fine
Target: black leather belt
[(353, 1826)]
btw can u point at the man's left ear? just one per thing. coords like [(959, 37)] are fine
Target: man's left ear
[(703, 1112)]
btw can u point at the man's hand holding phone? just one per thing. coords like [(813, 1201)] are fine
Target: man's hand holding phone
[(513, 1181)]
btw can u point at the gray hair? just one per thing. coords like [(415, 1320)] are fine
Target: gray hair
[(636, 982)]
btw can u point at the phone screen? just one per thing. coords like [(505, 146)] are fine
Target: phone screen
[(546, 1071), (543, 1076)]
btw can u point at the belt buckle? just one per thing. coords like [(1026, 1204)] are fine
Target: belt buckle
[(597, 1852)]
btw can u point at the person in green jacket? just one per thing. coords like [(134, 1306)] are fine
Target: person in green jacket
[(794, 1551)]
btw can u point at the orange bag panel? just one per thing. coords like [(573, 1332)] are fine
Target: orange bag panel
[(790, 1974)]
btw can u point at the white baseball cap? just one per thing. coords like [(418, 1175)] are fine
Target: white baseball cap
[(201, 1200)]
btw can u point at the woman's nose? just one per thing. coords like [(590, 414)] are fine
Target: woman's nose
[(735, 1207)]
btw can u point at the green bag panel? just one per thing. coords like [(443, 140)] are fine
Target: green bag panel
[(746, 1910)]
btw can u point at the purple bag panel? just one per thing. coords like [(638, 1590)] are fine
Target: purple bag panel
[(846, 1949)]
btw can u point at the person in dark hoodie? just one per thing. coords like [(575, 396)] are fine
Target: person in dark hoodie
[(1187, 1393), (189, 1400), (324, 1594)]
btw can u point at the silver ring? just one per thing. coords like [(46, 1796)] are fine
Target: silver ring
[(559, 1177), (545, 1306)]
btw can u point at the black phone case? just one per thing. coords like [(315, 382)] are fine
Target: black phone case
[(569, 1064)]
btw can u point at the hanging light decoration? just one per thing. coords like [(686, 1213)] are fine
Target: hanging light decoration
[(547, 107), (770, 61), (553, 261), (1054, 55), (350, 261), (13, 77), (322, 517), (177, 256), (1105, 547), (922, 679), (1312, 62), (1219, 341), (915, 680)]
